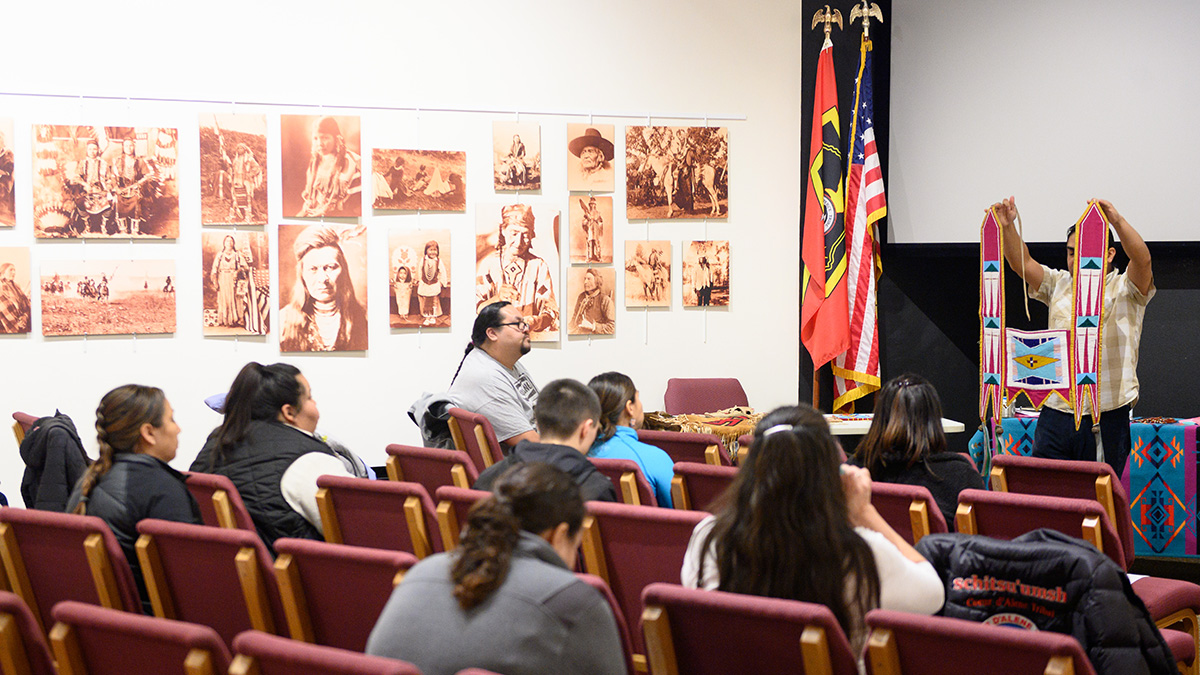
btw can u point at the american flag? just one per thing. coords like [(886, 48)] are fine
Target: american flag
[(856, 371)]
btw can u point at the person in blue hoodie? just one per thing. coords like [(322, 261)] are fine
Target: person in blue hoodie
[(621, 416)]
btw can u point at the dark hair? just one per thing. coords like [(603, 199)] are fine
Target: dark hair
[(119, 420), (562, 406), (258, 393), (782, 528), (531, 496), (489, 317), (906, 426), (613, 390)]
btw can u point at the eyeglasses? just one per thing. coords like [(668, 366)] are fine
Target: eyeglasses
[(521, 325)]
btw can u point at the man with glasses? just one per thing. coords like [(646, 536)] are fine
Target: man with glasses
[(490, 381)]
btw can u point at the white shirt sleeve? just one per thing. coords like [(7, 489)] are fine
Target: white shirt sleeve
[(904, 585), (299, 483), (696, 573)]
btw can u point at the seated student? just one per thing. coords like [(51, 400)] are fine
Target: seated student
[(791, 527), (490, 381), (906, 444), (621, 416), (131, 480), (567, 416), (266, 446), (506, 599)]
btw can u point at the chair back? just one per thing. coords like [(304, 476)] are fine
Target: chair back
[(213, 576), (622, 628), (695, 395), (683, 446), (631, 547), (220, 503), (909, 509), (386, 514), (333, 593), (24, 650), (913, 644), (98, 641), (50, 557), (22, 423), (702, 632), (629, 479), (695, 486), (453, 504), (1065, 478), (263, 654), (474, 435), (431, 467), (1007, 515)]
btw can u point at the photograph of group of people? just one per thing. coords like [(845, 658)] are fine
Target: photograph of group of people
[(419, 180), (108, 297)]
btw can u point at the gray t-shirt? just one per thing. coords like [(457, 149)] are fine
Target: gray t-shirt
[(504, 396)]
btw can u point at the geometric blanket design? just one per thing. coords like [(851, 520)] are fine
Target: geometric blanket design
[(1161, 483), (1016, 438)]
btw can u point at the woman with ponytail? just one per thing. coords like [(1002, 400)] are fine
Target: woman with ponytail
[(797, 524), (131, 480), (268, 448), (621, 416), (506, 600)]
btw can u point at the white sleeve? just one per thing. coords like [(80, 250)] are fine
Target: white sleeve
[(697, 574), (904, 585), (299, 483)]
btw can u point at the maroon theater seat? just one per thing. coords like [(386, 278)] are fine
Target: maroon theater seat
[(627, 476), (702, 395), (263, 654)]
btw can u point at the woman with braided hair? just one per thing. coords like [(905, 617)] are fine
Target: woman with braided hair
[(506, 599), (131, 480)]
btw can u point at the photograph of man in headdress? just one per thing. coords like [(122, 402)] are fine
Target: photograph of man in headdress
[(108, 297), (594, 310), (322, 167), (419, 180), (589, 166), (517, 155), (676, 172), (15, 315), (103, 182), (419, 278), (8, 202), (706, 274), (647, 273), (326, 272), (516, 259), (233, 169), (591, 229), (236, 278)]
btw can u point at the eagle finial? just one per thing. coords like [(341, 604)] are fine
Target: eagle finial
[(827, 16), (866, 10)]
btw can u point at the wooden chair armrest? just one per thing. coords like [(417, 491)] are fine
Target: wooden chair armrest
[(394, 471), (593, 549), (291, 593), (329, 522), (415, 518), (679, 493), (999, 479), (964, 519), (156, 581), (254, 590), (660, 647), (448, 525), (882, 652)]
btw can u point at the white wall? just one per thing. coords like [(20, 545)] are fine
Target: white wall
[(638, 57)]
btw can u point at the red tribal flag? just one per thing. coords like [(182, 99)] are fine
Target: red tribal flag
[(824, 324), (856, 371)]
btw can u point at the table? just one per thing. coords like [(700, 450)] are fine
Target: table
[(858, 424)]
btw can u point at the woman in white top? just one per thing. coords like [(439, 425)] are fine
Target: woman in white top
[(797, 524)]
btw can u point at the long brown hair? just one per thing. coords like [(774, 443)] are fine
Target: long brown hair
[(782, 528), (906, 426), (614, 390), (119, 420), (531, 496)]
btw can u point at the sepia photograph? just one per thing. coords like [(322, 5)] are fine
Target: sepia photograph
[(419, 278), (676, 172), (419, 180), (8, 201), (647, 274), (516, 259), (590, 157), (322, 287), (593, 304), (15, 314), (321, 166), (236, 278), (705, 270), (591, 229), (517, 155), (105, 182), (233, 169), (108, 297)]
